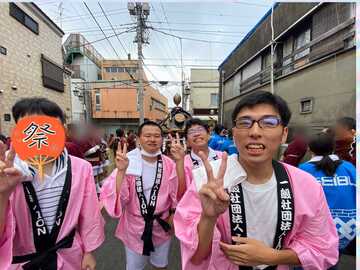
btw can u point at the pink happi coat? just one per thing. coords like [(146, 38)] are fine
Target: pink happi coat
[(313, 237), (188, 166), (126, 206), (83, 213)]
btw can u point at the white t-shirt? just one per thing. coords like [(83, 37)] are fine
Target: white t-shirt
[(261, 211), (148, 177)]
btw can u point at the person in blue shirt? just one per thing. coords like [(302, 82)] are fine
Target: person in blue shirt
[(338, 179), (229, 145), (218, 138)]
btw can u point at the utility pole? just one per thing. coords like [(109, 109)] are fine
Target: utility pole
[(141, 11)]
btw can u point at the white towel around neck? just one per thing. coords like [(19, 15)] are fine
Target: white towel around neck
[(234, 173)]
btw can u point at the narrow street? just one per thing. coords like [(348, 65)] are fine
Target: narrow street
[(111, 254)]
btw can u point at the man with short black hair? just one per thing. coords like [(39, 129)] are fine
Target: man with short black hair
[(141, 192), (271, 216), (197, 136)]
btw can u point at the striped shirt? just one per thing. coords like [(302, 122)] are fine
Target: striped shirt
[(49, 190)]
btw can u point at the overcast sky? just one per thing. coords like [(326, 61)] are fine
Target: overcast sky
[(220, 26)]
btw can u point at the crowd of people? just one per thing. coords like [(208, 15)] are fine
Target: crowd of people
[(222, 194)]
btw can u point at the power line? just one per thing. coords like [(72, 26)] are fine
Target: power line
[(166, 19), (112, 28), (77, 18), (205, 24), (177, 66), (185, 59), (101, 30), (193, 39), (161, 45), (250, 4), (199, 30), (211, 14), (95, 13), (152, 74), (106, 37), (95, 29), (169, 46)]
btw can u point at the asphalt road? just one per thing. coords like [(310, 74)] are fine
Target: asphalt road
[(111, 255)]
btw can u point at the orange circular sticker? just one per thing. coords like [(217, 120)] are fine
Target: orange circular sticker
[(38, 139)]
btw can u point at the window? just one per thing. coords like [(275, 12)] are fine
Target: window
[(97, 101), (113, 69), (23, 18), (266, 65), (237, 81), (52, 75), (107, 69), (306, 105), (300, 41), (214, 99), (3, 50), (157, 105), (120, 69), (131, 70), (287, 50), (251, 68)]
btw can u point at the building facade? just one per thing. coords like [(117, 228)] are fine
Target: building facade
[(204, 93), (85, 62), (114, 99), (313, 63), (31, 60)]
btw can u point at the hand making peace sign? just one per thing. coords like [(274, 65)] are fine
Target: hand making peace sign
[(121, 160), (214, 199), (177, 150), (9, 176)]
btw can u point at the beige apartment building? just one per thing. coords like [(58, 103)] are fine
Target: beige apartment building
[(204, 92), (31, 60), (114, 104)]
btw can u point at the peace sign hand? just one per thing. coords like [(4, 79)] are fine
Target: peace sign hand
[(121, 160), (214, 199), (9, 176), (177, 150)]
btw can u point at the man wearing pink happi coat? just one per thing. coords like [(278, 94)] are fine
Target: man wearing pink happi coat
[(78, 223), (276, 217), (145, 231)]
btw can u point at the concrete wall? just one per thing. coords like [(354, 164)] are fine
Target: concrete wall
[(331, 84), (77, 104), (22, 66), (88, 67), (200, 93)]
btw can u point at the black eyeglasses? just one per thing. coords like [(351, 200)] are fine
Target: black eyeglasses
[(266, 122)]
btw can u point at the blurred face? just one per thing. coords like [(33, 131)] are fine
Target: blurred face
[(197, 137), (150, 139), (257, 145), (342, 133)]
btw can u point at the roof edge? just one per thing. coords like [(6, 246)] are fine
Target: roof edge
[(248, 35)]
